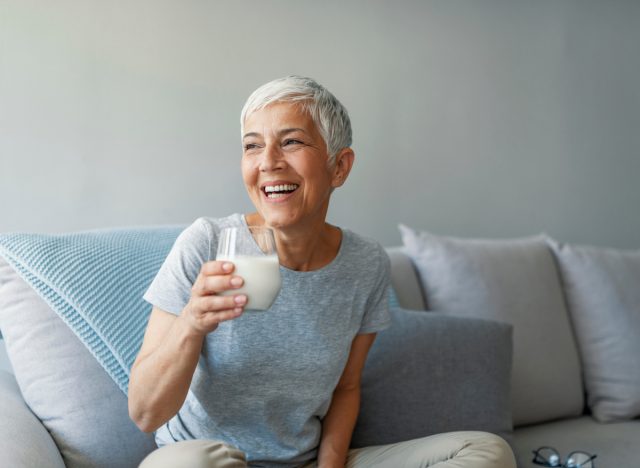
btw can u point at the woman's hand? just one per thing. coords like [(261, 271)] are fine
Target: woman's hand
[(206, 308)]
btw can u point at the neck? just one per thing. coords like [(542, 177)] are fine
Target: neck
[(304, 248)]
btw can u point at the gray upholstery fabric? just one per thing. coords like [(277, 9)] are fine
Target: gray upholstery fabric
[(602, 286), (24, 441), (615, 444), (404, 280), (514, 281), (64, 385), (431, 373), (5, 364)]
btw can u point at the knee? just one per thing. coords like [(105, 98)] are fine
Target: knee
[(195, 454), (492, 448), (467, 448)]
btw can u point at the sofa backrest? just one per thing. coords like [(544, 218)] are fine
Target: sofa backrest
[(404, 280)]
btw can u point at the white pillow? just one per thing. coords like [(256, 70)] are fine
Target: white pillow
[(603, 292)]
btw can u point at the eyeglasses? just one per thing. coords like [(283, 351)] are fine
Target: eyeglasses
[(548, 456)]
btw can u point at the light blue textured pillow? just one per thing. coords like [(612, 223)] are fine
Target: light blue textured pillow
[(95, 280)]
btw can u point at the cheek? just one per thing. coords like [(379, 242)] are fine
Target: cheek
[(248, 174)]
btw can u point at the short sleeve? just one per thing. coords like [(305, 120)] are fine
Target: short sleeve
[(170, 290), (376, 317)]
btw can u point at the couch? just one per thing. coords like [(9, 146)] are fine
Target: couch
[(527, 338)]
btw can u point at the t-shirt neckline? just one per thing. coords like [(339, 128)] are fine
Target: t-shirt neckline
[(328, 267)]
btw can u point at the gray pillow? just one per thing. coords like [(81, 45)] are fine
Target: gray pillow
[(514, 281), (431, 373), (603, 292), (63, 384)]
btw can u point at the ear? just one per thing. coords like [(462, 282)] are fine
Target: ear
[(342, 166)]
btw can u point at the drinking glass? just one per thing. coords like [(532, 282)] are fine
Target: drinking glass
[(253, 252)]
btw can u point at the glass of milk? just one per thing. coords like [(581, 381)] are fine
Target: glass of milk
[(252, 250)]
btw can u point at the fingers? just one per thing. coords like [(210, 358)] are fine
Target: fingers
[(209, 322), (226, 315), (207, 308), (206, 312), (207, 285), (216, 267), (207, 304), (215, 277)]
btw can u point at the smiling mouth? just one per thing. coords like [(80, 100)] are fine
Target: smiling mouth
[(279, 191)]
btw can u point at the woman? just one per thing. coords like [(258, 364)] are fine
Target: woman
[(281, 388)]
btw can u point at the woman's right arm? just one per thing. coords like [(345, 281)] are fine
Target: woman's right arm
[(162, 372)]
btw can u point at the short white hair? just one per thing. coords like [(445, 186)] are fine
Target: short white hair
[(329, 115)]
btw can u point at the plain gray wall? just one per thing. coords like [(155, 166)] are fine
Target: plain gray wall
[(471, 118)]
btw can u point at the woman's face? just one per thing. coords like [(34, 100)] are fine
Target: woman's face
[(285, 166)]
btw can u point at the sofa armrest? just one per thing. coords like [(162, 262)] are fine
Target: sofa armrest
[(24, 441)]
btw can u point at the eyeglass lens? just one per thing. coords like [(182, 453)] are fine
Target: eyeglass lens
[(579, 460), (548, 456)]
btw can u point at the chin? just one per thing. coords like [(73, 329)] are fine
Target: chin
[(277, 223), (279, 220)]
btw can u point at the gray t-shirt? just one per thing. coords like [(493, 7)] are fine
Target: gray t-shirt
[(265, 380)]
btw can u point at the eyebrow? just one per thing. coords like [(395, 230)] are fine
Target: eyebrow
[(282, 132)]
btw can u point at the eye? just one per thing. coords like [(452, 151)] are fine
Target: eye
[(291, 141), (250, 146)]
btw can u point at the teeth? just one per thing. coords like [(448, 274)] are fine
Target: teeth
[(280, 188)]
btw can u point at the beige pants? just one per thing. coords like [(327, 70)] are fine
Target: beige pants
[(451, 450)]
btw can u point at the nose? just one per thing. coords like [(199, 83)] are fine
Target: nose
[(271, 159)]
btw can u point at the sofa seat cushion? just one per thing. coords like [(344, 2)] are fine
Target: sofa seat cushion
[(431, 373), (514, 281), (603, 292), (616, 444)]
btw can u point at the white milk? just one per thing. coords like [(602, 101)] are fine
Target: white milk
[(262, 280)]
